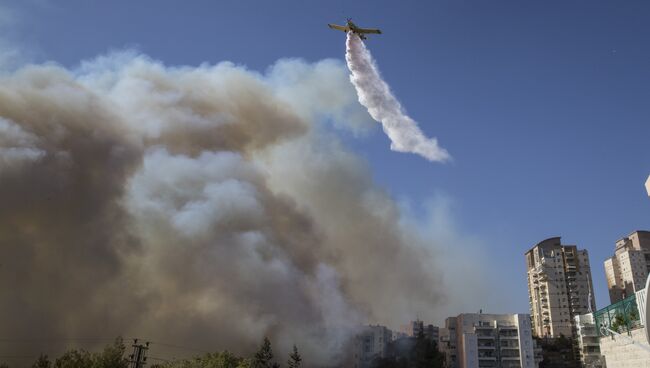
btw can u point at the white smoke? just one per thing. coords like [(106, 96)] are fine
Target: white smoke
[(376, 96), (205, 205)]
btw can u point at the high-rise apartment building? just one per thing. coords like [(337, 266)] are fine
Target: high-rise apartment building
[(473, 340), (628, 269), (559, 287)]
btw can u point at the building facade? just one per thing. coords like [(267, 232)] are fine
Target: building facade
[(647, 186), (628, 269), (413, 328), (447, 343), (473, 340), (370, 344), (588, 340), (559, 287)]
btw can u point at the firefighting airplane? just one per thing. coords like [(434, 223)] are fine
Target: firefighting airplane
[(351, 27)]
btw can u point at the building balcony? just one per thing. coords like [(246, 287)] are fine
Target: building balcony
[(510, 348), (506, 337), (483, 327), (484, 337)]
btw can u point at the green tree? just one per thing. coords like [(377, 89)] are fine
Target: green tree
[(426, 352), (112, 356), (245, 363), (619, 322), (74, 359), (294, 358), (223, 359), (264, 357), (42, 362), (421, 352)]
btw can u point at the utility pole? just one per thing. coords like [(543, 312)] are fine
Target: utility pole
[(139, 357)]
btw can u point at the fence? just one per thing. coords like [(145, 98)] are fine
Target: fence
[(621, 317)]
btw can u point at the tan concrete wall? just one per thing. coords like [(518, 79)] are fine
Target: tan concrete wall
[(621, 352)]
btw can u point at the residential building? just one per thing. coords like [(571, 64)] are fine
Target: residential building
[(473, 340), (588, 341), (369, 344), (559, 287), (628, 269), (413, 328), (447, 345), (647, 186)]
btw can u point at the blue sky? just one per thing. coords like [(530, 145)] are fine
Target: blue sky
[(543, 105)]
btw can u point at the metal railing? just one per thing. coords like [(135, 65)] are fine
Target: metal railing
[(621, 317)]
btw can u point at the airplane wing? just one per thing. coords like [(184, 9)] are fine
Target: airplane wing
[(340, 28), (368, 30)]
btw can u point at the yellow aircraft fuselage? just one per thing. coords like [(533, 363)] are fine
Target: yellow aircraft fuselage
[(351, 27)]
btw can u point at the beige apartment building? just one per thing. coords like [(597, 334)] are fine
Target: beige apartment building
[(559, 287), (628, 269), (473, 340), (647, 186)]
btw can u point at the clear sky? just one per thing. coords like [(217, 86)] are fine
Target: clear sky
[(543, 105)]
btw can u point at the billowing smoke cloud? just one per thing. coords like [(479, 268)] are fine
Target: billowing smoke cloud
[(202, 206), (375, 95)]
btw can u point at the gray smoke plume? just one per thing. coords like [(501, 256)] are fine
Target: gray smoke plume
[(204, 206), (376, 96)]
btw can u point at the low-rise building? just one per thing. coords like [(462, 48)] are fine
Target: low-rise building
[(370, 343), (447, 343), (413, 328), (475, 340), (588, 341)]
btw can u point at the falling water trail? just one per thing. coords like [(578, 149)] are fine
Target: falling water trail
[(376, 96)]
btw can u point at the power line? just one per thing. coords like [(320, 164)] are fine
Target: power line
[(94, 340), (139, 357), (18, 357), (179, 347), (56, 339), (159, 359)]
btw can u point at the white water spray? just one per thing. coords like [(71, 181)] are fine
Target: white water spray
[(376, 96)]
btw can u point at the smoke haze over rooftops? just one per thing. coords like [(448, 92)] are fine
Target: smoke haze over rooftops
[(199, 204)]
